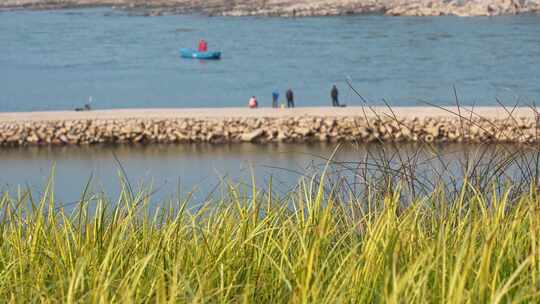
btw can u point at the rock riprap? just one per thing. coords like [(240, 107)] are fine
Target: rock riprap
[(267, 130), (296, 8)]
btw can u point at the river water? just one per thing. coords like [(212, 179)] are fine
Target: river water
[(53, 60), (174, 171), (57, 59)]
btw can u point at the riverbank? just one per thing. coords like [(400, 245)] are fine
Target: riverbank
[(266, 125), (301, 8)]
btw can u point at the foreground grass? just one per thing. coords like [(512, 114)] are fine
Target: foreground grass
[(306, 248)]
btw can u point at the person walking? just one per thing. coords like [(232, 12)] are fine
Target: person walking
[(290, 98), (275, 98), (334, 95)]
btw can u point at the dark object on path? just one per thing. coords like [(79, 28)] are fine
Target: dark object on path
[(290, 98), (86, 108)]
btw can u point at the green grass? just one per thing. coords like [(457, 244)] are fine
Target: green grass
[(307, 247)]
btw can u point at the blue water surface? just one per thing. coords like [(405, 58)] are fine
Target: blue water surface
[(56, 59)]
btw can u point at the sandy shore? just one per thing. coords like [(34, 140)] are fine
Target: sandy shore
[(200, 113)]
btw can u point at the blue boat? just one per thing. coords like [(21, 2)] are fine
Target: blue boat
[(189, 53)]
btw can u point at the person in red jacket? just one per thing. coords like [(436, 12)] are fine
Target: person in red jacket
[(253, 102), (203, 46)]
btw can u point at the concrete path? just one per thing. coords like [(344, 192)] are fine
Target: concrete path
[(164, 113)]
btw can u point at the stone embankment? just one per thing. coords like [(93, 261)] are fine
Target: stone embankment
[(267, 126), (463, 8), (296, 8)]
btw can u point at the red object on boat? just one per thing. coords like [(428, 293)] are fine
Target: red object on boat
[(203, 46)]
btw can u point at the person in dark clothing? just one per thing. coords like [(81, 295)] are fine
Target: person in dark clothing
[(334, 94), (290, 98)]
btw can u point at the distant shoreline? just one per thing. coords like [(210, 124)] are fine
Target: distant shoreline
[(291, 8)]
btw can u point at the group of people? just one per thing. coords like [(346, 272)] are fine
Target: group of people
[(253, 103), (289, 95)]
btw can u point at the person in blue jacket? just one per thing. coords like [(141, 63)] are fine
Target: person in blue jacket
[(275, 97)]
